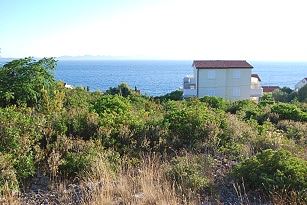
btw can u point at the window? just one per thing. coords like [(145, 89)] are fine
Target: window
[(236, 92), (211, 91), (236, 74), (211, 74)]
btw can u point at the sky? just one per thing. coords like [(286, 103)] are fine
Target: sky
[(155, 29)]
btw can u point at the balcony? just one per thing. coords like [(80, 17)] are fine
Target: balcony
[(189, 93), (256, 90), (189, 86)]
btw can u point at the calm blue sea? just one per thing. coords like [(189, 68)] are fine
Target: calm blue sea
[(160, 77)]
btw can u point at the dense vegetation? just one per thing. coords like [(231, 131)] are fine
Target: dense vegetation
[(201, 144)]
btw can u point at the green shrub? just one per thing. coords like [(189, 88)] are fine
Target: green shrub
[(190, 172), (20, 131), (289, 111), (82, 123), (123, 90), (294, 130), (247, 110), (80, 98), (79, 157), (8, 178), (215, 102), (284, 94), (175, 95), (273, 170), (191, 124), (112, 104), (236, 137)]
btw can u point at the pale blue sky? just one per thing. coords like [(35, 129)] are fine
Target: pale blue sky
[(155, 29)]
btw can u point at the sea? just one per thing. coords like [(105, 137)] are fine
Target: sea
[(158, 77)]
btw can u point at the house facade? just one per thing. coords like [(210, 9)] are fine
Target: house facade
[(231, 80), (301, 84)]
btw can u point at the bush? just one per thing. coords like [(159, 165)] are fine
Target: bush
[(80, 98), (20, 132), (123, 90), (191, 124), (215, 102), (242, 105), (294, 130), (189, 172), (236, 137), (112, 104), (273, 170), (175, 95), (284, 94), (8, 178), (79, 158), (289, 111), (82, 123)]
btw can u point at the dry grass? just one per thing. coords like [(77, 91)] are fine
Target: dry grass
[(7, 197), (287, 197), (145, 185)]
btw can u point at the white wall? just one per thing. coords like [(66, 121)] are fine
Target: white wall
[(224, 83)]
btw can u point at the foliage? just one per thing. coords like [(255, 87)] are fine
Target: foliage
[(289, 111), (294, 130), (20, 132), (123, 90), (112, 104), (266, 99), (284, 94), (8, 179), (215, 102), (273, 170), (23, 81), (81, 123), (79, 158), (189, 172), (80, 98), (64, 132), (236, 137), (175, 95), (191, 124)]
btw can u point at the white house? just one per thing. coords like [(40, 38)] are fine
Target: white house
[(300, 84), (231, 80), (256, 88)]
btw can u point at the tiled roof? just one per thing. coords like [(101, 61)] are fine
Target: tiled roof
[(256, 76), (269, 89), (221, 64)]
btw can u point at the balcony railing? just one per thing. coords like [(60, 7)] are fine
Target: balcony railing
[(256, 92), (189, 86), (189, 92)]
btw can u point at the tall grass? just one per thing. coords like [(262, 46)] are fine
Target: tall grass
[(146, 184), (8, 197)]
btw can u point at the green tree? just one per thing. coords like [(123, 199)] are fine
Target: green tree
[(285, 94), (123, 89), (25, 80)]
